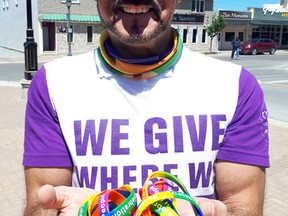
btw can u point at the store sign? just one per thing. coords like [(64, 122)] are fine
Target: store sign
[(188, 18), (240, 15), (274, 8)]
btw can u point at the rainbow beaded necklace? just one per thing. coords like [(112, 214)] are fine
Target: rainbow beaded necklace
[(139, 71)]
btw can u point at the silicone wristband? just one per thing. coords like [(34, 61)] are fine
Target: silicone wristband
[(168, 202), (158, 198), (127, 206), (155, 198), (120, 202), (85, 205), (145, 196)]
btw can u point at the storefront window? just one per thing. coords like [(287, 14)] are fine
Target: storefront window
[(265, 34), (255, 35), (285, 38), (268, 28), (274, 32), (263, 28), (275, 36), (256, 29), (229, 36), (241, 36)]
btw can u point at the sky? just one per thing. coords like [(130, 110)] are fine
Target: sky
[(241, 5)]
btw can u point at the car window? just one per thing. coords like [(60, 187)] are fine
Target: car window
[(253, 41), (261, 41), (267, 41)]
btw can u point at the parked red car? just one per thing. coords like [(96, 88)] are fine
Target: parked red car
[(255, 46)]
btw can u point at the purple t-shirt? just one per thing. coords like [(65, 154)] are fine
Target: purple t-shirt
[(181, 121)]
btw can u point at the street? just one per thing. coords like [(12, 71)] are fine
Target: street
[(272, 72)]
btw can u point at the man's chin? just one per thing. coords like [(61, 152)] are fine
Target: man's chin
[(136, 33)]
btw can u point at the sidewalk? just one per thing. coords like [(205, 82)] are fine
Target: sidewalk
[(12, 190)]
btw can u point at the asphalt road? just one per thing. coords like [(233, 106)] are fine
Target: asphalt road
[(272, 72)]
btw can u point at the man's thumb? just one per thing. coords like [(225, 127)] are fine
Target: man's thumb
[(49, 198)]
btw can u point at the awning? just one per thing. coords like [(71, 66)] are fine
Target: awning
[(269, 22), (238, 22), (73, 18)]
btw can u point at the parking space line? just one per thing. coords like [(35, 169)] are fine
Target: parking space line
[(276, 82)]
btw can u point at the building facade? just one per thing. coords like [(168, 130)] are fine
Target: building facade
[(238, 24), (84, 23), (49, 20), (190, 19), (50, 25), (270, 21)]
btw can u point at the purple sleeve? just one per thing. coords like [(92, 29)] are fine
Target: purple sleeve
[(44, 145), (246, 140)]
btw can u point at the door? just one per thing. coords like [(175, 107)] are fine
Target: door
[(48, 36)]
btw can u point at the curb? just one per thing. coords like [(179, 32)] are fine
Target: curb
[(10, 84)]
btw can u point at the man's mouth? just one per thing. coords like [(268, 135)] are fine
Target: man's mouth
[(137, 7), (133, 9)]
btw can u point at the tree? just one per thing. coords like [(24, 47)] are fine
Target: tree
[(283, 3), (217, 24)]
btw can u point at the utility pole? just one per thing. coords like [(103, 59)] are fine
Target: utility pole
[(68, 27)]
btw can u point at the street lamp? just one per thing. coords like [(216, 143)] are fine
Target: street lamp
[(30, 47), (69, 29)]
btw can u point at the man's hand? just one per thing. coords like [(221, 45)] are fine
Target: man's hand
[(67, 200), (209, 207)]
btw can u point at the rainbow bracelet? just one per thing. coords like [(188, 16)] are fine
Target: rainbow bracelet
[(159, 198), (120, 202), (164, 202)]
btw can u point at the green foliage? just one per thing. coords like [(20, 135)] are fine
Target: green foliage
[(217, 24)]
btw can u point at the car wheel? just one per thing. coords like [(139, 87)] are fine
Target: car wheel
[(272, 51), (254, 51)]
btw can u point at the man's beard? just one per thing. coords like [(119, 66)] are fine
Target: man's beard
[(136, 39)]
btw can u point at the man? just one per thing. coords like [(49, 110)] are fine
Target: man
[(142, 102), (235, 48)]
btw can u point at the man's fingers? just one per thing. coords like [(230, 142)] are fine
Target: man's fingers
[(49, 198), (212, 207)]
